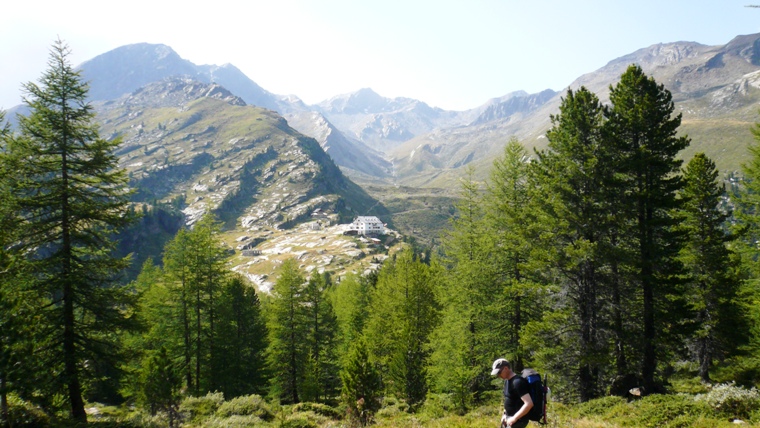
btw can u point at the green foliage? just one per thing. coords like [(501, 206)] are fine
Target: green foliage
[(234, 421), (599, 406), (350, 299), (246, 405), (321, 373), (659, 410), (404, 293), (361, 390), (318, 408), (25, 414), (198, 408), (731, 400), (72, 198), (160, 384), (298, 421), (288, 334), (720, 326), (240, 366), (578, 235)]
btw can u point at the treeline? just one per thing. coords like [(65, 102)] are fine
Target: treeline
[(599, 260)]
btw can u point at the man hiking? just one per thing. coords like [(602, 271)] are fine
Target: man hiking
[(517, 401)]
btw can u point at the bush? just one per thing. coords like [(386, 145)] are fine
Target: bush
[(247, 405), (658, 410), (25, 414), (438, 405), (599, 406), (731, 400), (318, 408), (234, 421), (194, 408), (298, 421)]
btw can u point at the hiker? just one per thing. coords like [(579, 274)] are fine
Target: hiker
[(517, 401)]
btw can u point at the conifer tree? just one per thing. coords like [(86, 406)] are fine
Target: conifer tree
[(288, 333), (643, 130), (404, 294), (241, 367), (350, 300), (362, 387), (511, 221), (322, 327), (195, 276), (72, 197), (571, 174), (713, 284), (461, 344), (160, 385)]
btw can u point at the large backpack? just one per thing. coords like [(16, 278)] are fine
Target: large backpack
[(538, 392)]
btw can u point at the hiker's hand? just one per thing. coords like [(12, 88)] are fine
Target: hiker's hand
[(511, 420)]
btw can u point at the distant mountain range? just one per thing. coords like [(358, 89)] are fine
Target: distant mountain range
[(405, 141), (212, 135)]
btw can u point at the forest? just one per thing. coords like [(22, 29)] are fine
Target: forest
[(604, 261)]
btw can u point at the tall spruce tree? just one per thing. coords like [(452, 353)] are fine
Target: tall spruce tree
[(72, 197), (643, 130), (747, 223), (713, 283)]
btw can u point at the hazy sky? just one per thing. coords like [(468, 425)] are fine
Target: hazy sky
[(451, 54)]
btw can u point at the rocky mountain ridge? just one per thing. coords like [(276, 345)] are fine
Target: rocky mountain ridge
[(198, 146)]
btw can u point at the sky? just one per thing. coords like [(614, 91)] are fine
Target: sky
[(450, 54)]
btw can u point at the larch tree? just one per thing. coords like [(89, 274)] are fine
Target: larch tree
[(461, 344), (322, 374), (288, 333), (402, 316), (72, 198), (195, 278)]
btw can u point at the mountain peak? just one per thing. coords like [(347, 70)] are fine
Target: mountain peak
[(126, 68)]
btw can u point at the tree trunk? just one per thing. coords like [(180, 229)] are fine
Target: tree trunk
[(4, 416), (71, 373)]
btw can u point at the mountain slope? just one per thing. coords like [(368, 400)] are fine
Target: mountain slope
[(190, 140)]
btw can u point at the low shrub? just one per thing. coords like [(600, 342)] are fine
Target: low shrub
[(25, 414), (298, 421), (318, 408), (731, 400), (234, 421), (437, 406), (195, 408), (599, 406), (246, 405), (658, 410)]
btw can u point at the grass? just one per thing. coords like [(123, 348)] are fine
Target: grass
[(666, 411)]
